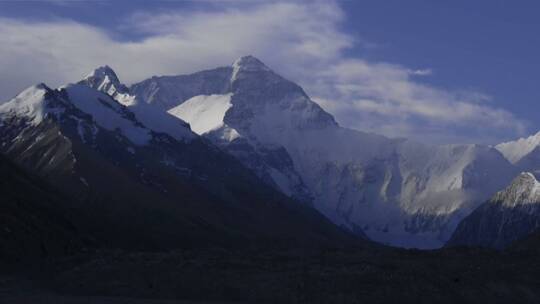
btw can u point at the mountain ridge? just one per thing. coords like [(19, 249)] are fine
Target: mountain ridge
[(397, 191)]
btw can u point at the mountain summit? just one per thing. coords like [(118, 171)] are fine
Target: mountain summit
[(247, 64), (29, 103), (104, 79)]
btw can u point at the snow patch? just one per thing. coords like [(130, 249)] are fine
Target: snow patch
[(205, 113)]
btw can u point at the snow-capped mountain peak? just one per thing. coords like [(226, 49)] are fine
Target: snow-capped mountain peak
[(105, 79), (102, 72), (509, 215), (30, 103), (247, 64), (524, 189)]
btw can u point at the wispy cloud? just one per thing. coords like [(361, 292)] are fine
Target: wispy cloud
[(423, 72), (303, 41), (385, 98)]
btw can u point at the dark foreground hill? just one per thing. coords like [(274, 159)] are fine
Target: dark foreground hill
[(31, 225), (45, 259)]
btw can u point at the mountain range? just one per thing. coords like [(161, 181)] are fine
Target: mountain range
[(239, 154), (232, 184)]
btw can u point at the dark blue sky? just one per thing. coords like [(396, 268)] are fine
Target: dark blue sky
[(490, 47)]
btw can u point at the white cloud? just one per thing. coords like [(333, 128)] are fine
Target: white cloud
[(303, 41), (383, 98), (59, 51), (422, 72)]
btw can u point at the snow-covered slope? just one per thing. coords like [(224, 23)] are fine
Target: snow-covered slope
[(104, 79), (34, 106), (396, 191), (514, 151), (509, 215), (204, 113), (28, 103), (107, 113)]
